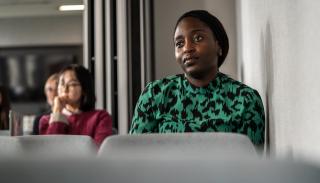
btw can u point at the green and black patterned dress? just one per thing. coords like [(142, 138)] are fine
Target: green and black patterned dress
[(174, 105)]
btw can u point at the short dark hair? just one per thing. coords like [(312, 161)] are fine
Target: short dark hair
[(85, 78), (216, 27)]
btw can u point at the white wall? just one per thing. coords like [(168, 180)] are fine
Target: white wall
[(279, 50), (48, 30), (167, 13)]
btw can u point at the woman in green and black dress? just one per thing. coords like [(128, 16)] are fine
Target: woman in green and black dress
[(202, 99)]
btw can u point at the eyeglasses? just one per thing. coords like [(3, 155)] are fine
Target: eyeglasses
[(72, 84)]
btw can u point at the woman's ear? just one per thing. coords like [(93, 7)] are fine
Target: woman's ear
[(219, 49), (220, 52)]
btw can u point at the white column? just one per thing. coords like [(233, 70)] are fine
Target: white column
[(98, 52), (123, 84)]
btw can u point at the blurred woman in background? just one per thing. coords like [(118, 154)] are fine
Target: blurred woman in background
[(73, 109)]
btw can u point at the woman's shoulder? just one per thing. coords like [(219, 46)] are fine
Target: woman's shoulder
[(239, 88), (165, 83), (158, 87), (97, 112), (169, 80), (44, 117)]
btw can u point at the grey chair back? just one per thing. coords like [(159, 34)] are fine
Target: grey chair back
[(176, 146), (8, 146), (84, 170), (56, 145), (220, 170), (4, 132)]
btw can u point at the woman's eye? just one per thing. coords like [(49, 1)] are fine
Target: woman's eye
[(197, 38), (74, 84), (179, 44)]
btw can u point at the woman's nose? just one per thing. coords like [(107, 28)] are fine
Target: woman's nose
[(188, 47), (64, 88)]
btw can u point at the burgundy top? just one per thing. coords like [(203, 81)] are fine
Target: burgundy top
[(96, 124)]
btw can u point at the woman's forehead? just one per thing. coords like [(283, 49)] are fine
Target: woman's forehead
[(51, 83), (68, 75), (188, 24)]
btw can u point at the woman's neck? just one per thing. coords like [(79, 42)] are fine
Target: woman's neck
[(73, 108), (201, 82)]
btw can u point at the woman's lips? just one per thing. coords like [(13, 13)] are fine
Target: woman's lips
[(190, 60)]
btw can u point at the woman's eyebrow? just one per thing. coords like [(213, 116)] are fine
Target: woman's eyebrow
[(178, 37), (73, 80), (192, 32), (198, 30)]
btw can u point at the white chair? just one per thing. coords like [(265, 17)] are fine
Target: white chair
[(56, 145), (177, 146)]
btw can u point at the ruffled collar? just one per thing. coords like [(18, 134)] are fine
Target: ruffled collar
[(212, 86), (69, 113)]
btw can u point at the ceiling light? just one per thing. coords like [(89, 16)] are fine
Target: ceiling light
[(71, 7)]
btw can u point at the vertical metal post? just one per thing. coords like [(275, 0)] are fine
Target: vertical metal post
[(146, 31), (142, 44), (86, 44), (109, 55), (122, 48), (99, 54)]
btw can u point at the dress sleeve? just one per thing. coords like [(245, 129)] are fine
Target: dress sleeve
[(103, 129), (143, 120), (254, 118), (55, 123)]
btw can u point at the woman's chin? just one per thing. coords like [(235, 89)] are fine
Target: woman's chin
[(73, 103), (194, 73)]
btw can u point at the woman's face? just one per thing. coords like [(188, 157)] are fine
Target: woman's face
[(51, 90), (69, 88), (196, 49)]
